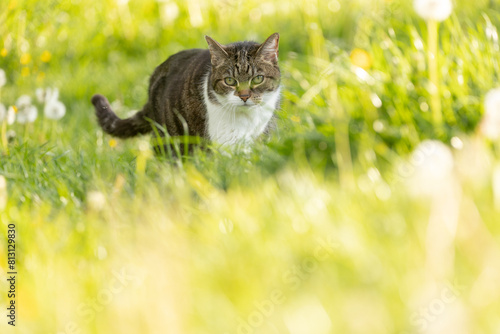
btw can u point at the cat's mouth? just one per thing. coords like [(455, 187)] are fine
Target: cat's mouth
[(245, 105), (249, 103)]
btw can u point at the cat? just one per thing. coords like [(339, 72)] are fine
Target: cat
[(227, 94)]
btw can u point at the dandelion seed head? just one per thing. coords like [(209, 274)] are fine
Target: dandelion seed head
[(54, 110), (40, 94), (23, 101), (96, 200), (52, 94), (433, 165), (11, 115), (435, 10), (27, 114)]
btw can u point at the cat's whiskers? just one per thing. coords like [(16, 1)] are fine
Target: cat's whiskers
[(220, 120), (233, 124), (226, 111), (234, 118)]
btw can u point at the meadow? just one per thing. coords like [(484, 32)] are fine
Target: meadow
[(374, 207)]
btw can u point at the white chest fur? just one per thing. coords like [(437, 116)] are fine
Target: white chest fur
[(229, 124)]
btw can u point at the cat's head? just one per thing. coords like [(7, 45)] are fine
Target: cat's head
[(244, 73)]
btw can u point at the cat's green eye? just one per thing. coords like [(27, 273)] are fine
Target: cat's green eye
[(230, 81), (258, 79)]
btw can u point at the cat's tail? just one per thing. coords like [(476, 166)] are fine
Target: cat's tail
[(115, 126)]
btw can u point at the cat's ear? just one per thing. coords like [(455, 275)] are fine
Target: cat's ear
[(269, 49), (217, 52)]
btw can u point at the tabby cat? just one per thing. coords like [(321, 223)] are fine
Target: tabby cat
[(226, 94)]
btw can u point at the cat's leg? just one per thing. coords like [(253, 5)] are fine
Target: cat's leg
[(168, 128)]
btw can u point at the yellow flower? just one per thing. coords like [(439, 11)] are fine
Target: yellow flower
[(112, 143), (40, 77), (25, 71), (25, 58), (295, 119), (4, 52), (361, 58), (46, 56)]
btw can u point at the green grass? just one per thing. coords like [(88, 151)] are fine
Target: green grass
[(316, 228)]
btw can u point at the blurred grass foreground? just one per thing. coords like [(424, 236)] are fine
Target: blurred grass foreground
[(373, 209)]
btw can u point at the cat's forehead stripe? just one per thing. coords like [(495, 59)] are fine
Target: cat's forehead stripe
[(242, 67)]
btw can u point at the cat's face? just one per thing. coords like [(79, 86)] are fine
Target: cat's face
[(245, 74)]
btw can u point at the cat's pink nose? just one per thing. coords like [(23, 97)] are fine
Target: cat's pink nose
[(244, 95)]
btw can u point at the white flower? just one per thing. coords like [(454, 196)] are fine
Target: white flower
[(26, 112), (490, 124), (3, 78), (23, 101), (40, 94), (96, 200), (54, 109), (11, 115), (436, 10), (51, 94), (433, 164)]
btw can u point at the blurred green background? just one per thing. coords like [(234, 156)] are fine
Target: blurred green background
[(324, 228)]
